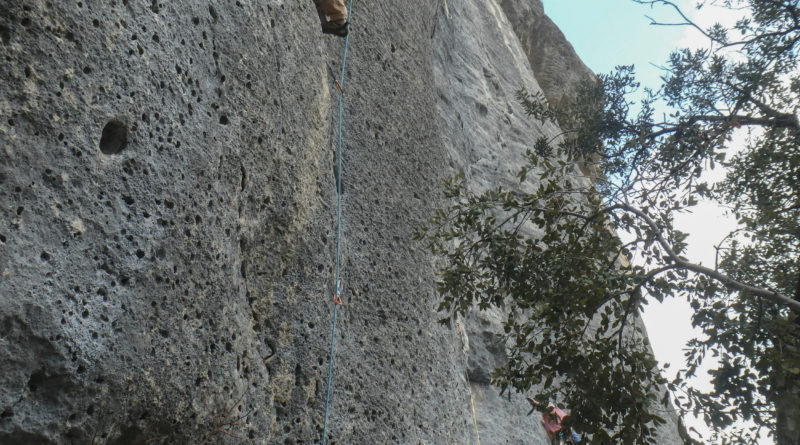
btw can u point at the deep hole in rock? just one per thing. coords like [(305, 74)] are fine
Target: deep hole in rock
[(114, 137), (36, 379), (5, 34)]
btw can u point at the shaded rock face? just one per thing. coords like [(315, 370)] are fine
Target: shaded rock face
[(556, 66), (167, 230)]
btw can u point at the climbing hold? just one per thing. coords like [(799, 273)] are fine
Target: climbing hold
[(114, 137)]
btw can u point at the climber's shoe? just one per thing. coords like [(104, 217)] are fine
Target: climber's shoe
[(337, 29)]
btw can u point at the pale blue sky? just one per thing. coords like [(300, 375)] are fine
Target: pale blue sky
[(607, 33)]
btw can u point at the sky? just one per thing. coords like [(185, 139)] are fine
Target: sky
[(608, 33)]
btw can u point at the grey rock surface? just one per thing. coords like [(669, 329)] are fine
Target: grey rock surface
[(167, 220), (486, 132), (556, 66), (163, 291)]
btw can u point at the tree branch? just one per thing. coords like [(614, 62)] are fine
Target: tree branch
[(687, 21), (776, 120), (775, 297)]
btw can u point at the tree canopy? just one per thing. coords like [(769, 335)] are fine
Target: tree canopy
[(554, 258)]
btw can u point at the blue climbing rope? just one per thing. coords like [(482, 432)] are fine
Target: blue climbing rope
[(338, 295)]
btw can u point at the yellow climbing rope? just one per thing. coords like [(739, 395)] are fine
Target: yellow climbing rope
[(474, 417), (462, 335)]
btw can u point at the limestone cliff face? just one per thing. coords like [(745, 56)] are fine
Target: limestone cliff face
[(556, 66), (167, 203)]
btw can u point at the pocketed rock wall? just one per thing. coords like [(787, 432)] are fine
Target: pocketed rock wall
[(167, 220)]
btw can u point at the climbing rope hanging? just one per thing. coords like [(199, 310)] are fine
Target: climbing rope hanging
[(337, 296)]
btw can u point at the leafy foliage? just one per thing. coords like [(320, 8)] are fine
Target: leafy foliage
[(552, 258)]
